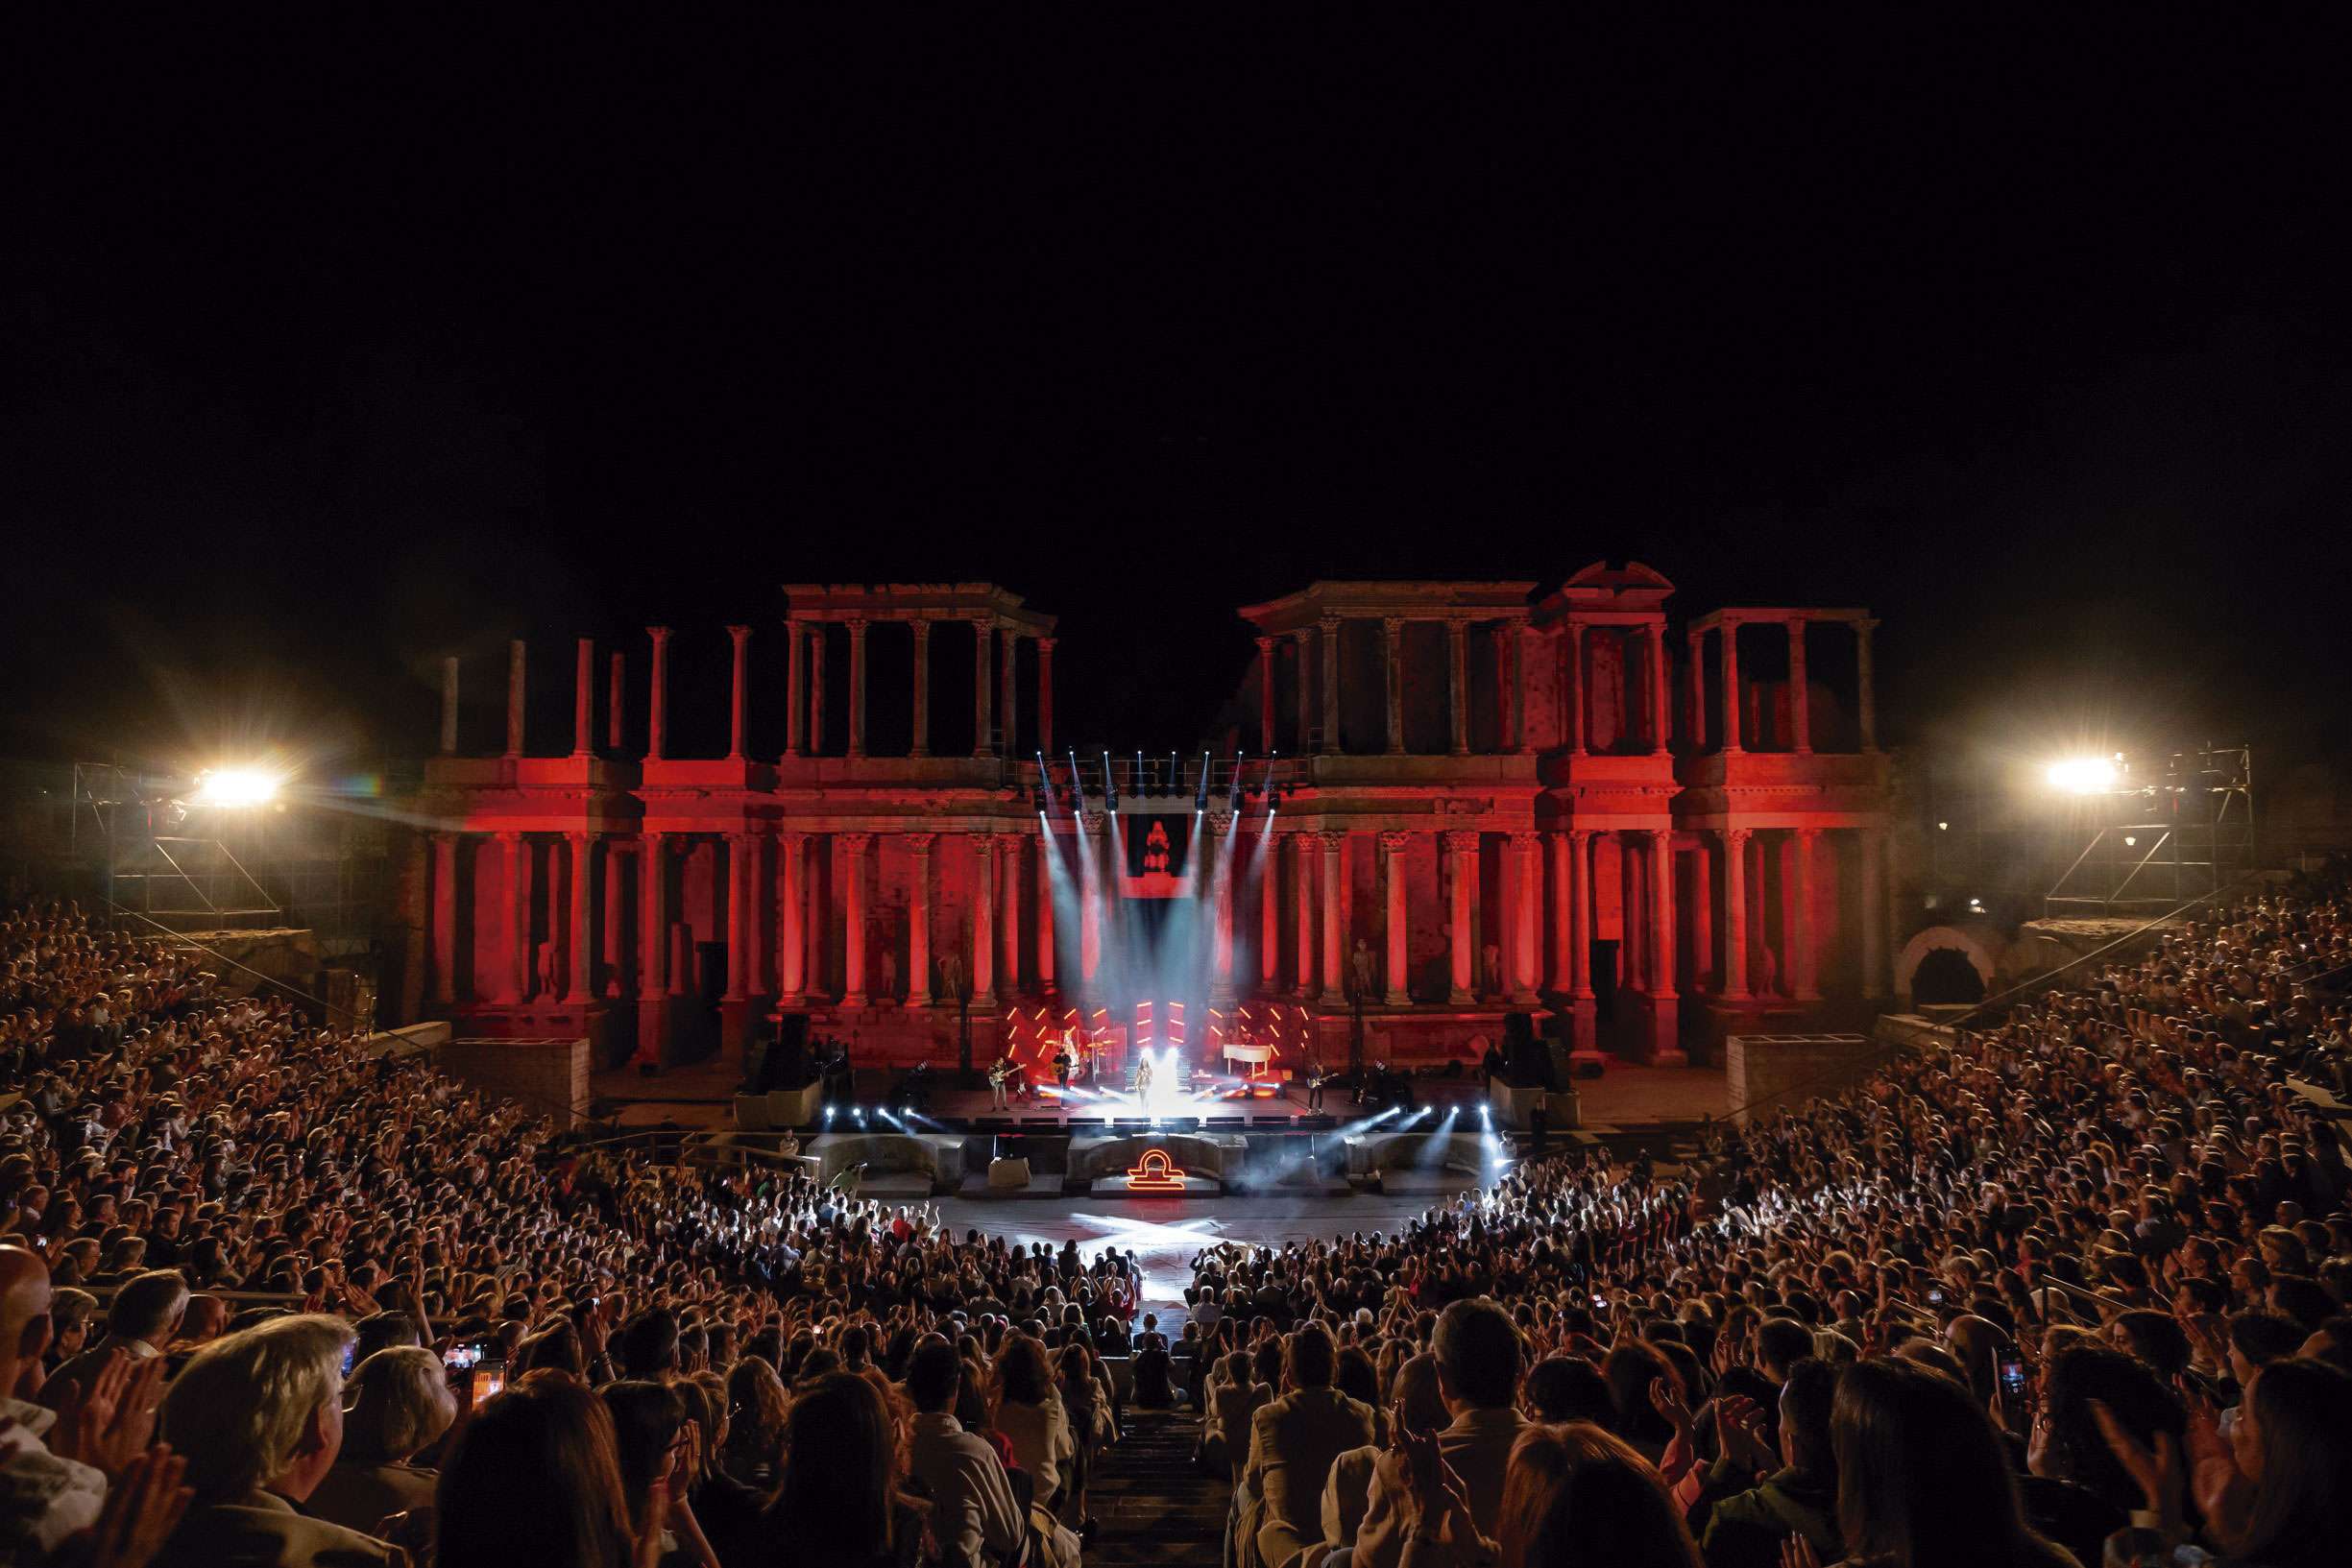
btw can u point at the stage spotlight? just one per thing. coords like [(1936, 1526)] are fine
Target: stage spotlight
[(857, 1114), (2083, 775), (829, 1115), (235, 787)]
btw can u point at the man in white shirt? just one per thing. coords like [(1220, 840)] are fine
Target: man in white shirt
[(975, 1514), (43, 1498)]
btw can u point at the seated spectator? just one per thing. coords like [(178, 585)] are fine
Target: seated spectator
[(1029, 1411), (533, 1478), (1922, 1476), (144, 1315), (258, 1417), (1292, 1441), (1418, 1406), (1567, 1388), (1800, 1498), (841, 1503), (45, 1497), (401, 1404), (1477, 1352)]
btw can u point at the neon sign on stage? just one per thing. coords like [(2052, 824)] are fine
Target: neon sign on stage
[(1154, 1173)]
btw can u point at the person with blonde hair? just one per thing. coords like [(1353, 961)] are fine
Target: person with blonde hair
[(258, 1417), (401, 1404)]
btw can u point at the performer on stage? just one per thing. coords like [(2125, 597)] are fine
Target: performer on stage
[(1315, 1081), (999, 1077), (1065, 1061), (1143, 1078)]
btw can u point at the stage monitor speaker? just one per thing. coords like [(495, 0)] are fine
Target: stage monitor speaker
[(784, 1065), (1526, 1063)]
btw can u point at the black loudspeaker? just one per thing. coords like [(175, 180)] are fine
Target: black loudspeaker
[(785, 1066), (1526, 1063)]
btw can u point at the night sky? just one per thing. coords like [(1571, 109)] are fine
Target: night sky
[(331, 348)]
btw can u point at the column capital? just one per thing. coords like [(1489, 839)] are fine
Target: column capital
[(1044, 644), (1392, 626), (1582, 835), (981, 838), (1660, 835), (1807, 835), (857, 843), (984, 624), (659, 634), (919, 843), (1092, 823), (921, 629), (1221, 823), (739, 633), (1736, 836), (1526, 840), (791, 837), (1457, 622), (445, 836), (577, 835), (1397, 842), (1332, 839), (856, 625), (1329, 620), (507, 835), (1462, 840), (1266, 643)]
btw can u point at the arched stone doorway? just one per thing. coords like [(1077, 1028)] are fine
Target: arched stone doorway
[(1967, 948)]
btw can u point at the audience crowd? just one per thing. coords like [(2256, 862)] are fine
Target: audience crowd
[(2066, 1286)]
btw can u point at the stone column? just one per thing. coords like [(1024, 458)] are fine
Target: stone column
[(1526, 916), (653, 918), (1580, 914), (1661, 690), (1736, 913), (984, 913), (792, 938), (922, 694), (918, 918), (657, 710), (1458, 685), (615, 915), (857, 688), (1045, 696), (584, 698), (739, 916), (1399, 953), (984, 737), (818, 635), (1461, 872), (1696, 705), (1269, 906), (1265, 695), (1799, 699), (1729, 631), (1334, 889), (1221, 878), (1010, 719), (1009, 886), (1393, 630), (615, 700), (515, 655), (795, 671), (1867, 695), (738, 693), (1302, 886), (1576, 689), (853, 848), (449, 706), (1046, 851), (1302, 655), (444, 917), (1330, 628), (518, 858), (1702, 908), (1873, 911), (1662, 908), (1806, 960), (1517, 634), (1557, 850), (576, 941)]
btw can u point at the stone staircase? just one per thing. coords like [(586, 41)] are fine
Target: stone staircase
[(1150, 1504)]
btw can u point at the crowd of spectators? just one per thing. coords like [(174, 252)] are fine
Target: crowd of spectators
[(2069, 1284), (2066, 1286), (272, 1295)]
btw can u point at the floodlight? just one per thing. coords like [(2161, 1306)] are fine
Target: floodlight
[(2082, 775), (235, 787)]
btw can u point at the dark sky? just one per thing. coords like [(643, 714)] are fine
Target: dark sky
[(333, 345)]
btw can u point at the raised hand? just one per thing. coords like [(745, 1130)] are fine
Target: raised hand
[(143, 1506)]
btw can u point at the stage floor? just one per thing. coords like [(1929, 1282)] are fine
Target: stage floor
[(701, 1095)]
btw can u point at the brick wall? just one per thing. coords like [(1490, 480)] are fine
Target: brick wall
[(549, 1076)]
